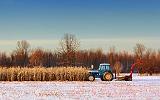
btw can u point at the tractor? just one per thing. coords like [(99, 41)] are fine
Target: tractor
[(104, 72)]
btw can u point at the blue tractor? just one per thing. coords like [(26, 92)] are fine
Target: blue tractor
[(104, 72)]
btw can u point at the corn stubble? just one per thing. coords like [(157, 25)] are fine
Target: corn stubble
[(43, 74)]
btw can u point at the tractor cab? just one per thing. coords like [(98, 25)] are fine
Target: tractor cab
[(104, 72), (103, 68)]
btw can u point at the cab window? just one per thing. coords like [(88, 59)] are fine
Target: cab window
[(104, 67)]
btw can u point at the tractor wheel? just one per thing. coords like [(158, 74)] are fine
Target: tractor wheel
[(91, 78), (102, 79), (107, 76)]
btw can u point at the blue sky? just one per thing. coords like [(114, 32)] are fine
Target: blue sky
[(96, 23)]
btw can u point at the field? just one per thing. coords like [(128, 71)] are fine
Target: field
[(142, 87)]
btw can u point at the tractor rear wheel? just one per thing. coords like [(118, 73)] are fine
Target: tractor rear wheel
[(91, 78), (107, 76)]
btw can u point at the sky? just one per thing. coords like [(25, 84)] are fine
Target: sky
[(95, 23)]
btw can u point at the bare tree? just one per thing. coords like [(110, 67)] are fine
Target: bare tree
[(111, 55), (69, 45), (36, 58), (23, 45), (4, 60), (20, 55), (117, 67), (139, 50), (148, 53)]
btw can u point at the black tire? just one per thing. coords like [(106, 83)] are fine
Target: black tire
[(102, 78), (91, 78), (107, 76)]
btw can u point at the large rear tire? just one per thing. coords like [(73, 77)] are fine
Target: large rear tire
[(91, 78), (107, 76)]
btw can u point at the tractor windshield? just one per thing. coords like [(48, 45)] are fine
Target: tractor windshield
[(104, 67)]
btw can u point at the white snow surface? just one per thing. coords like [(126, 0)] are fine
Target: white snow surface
[(141, 88)]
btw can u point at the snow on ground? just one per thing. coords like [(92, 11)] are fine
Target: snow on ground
[(141, 88)]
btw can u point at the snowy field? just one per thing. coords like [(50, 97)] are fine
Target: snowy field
[(141, 88)]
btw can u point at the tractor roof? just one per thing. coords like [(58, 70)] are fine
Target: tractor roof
[(104, 64)]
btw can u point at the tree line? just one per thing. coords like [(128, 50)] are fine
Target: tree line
[(69, 54)]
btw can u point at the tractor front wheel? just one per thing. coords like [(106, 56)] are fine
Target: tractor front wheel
[(107, 76), (91, 78)]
